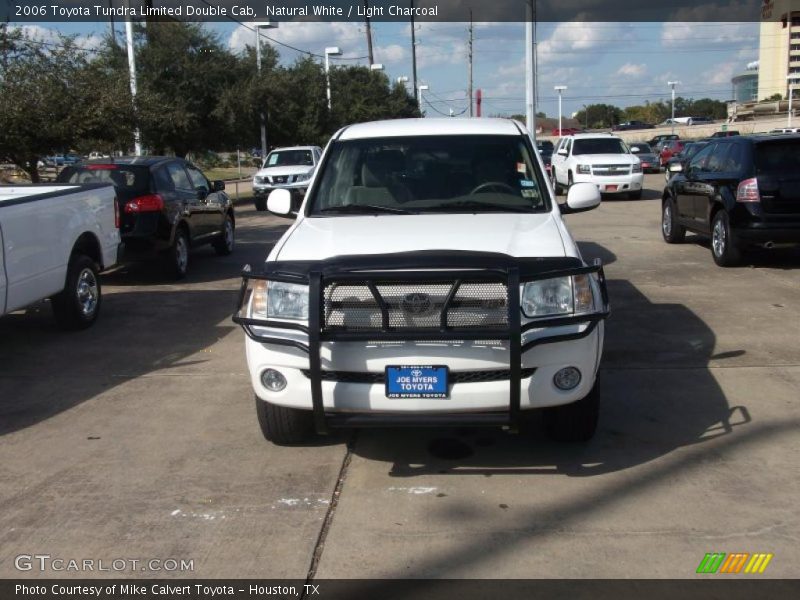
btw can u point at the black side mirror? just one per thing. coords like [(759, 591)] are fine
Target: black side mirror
[(218, 185)]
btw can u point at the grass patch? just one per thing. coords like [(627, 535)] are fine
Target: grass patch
[(227, 174)]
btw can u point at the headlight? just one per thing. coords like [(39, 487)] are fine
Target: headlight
[(303, 177), (278, 300), (584, 169), (637, 168), (558, 296)]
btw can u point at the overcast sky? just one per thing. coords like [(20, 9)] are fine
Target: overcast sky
[(614, 63)]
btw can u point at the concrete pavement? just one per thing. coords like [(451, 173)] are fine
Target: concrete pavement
[(138, 437)]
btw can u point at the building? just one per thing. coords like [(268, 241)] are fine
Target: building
[(745, 85), (779, 46)]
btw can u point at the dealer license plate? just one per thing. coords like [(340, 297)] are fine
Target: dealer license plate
[(416, 381)]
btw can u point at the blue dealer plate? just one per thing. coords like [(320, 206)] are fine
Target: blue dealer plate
[(416, 381)]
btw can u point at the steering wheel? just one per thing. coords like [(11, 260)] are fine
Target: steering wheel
[(489, 184)]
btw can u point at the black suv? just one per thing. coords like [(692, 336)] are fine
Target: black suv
[(166, 206), (740, 191)]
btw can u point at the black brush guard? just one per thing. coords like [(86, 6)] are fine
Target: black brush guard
[(455, 268)]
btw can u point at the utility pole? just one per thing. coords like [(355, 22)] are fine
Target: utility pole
[(414, 57), (530, 70), (369, 32), (137, 142), (470, 63)]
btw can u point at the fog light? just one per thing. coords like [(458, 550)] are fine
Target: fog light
[(274, 381), (567, 378)]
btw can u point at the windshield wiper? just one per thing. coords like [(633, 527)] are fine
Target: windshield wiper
[(479, 204), (365, 209)]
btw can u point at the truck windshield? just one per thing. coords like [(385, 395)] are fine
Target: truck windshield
[(430, 174), (285, 158), (599, 146)]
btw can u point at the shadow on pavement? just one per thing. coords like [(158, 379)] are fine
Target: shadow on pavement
[(657, 395)]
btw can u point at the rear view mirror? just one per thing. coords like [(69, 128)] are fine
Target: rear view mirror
[(218, 185), (279, 202), (582, 197)]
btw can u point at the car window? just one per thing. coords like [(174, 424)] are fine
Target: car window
[(700, 159), (779, 156), (178, 175), (198, 179), (427, 174), (734, 160), (599, 146), (123, 177), (716, 162)]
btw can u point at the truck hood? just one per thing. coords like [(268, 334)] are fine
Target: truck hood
[(283, 171), (521, 235)]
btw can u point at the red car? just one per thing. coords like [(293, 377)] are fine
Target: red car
[(670, 149)]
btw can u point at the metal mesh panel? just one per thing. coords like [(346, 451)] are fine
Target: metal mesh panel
[(354, 307)]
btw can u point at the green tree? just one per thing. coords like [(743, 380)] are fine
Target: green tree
[(600, 116), (50, 98)]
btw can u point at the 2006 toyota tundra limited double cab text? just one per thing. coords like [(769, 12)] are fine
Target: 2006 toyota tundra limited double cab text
[(54, 240), (427, 280)]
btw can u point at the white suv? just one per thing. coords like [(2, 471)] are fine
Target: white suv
[(427, 279), (287, 168), (599, 158)]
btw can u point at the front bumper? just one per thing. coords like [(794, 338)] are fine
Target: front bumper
[(319, 364), (613, 184), (264, 189)]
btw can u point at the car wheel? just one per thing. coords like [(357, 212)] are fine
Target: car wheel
[(77, 306), (284, 426), (227, 239), (673, 232), (723, 247), (178, 257), (575, 422), (261, 204), (637, 195)]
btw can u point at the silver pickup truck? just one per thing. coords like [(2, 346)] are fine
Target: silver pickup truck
[(54, 241)]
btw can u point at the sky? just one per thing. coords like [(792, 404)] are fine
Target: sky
[(614, 63)]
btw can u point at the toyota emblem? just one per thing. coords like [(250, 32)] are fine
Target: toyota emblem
[(416, 304)]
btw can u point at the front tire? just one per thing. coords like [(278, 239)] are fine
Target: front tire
[(723, 246), (284, 426), (575, 422), (261, 204), (77, 306), (227, 239), (672, 232)]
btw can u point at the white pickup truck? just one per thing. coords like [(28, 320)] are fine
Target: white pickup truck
[(54, 241), (428, 279)]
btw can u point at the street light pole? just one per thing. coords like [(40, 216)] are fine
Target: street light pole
[(329, 51), (262, 117), (559, 89), (672, 84), (791, 79), (137, 140)]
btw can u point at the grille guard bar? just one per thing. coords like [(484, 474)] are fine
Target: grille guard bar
[(419, 267)]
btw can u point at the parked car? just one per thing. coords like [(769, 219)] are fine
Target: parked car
[(54, 241), (676, 162), (632, 125), (415, 234), (740, 191), (288, 168), (166, 206), (728, 133), (598, 158), (95, 155), (657, 139), (564, 131), (667, 123), (648, 158), (545, 148), (786, 130), (669, 149), (699, 120)]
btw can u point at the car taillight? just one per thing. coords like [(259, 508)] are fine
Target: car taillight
[(116, 213), (148, 203), (748, 191)]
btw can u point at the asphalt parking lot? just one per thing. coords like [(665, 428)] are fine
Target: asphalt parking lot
[(137, 439)]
